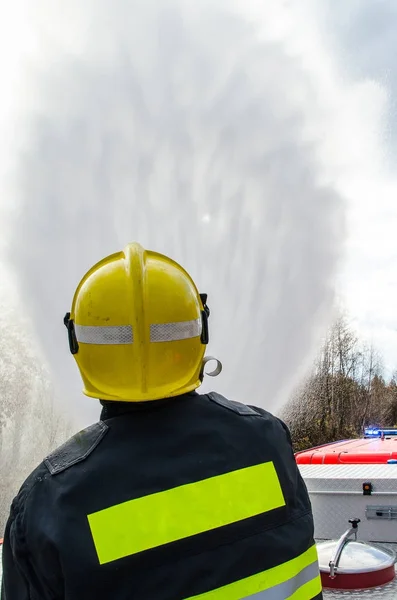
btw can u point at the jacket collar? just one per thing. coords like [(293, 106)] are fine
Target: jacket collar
[(111, 408)]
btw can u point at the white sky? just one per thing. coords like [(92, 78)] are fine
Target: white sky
[(363, 37), (369, 280)]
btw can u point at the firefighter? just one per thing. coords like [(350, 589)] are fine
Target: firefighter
[(171, 495)]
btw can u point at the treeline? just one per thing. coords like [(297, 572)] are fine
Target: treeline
[(345, 392)]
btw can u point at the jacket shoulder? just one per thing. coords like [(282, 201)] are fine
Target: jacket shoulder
[(76, 449), (246, 410), (241, 409)]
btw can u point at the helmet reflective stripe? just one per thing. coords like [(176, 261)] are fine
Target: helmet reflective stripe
[(129, 528), (298, 579), (171, 332), (123, 334), (92, 334)]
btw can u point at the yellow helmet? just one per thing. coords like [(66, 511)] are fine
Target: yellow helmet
[(138, 328)]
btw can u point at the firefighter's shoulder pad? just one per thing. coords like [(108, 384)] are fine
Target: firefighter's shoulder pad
[(236, 407), (76, 449)]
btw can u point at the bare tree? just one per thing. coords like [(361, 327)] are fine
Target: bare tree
[(345, 391)]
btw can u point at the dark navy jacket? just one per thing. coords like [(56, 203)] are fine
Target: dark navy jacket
[(135, 451)]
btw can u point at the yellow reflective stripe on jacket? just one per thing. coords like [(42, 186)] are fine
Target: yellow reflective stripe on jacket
[(174, 514), (297, 579)]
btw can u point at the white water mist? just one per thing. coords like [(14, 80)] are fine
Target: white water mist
[(198, 130)]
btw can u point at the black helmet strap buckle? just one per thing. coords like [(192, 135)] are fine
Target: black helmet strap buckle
[(69, 324), (205, 337)]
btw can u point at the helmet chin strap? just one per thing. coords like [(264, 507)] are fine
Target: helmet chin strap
[(215, 372)]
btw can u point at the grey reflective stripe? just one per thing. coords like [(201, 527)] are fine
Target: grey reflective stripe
[(123, 334), (287, 588), (102, 334), (171, 332)]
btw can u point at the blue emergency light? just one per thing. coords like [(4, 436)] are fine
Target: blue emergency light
[(376, 432)]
